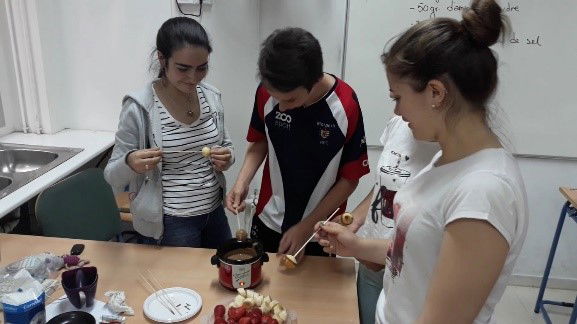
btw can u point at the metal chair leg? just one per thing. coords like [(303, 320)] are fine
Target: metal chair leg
[(551, 256), (574, 313)]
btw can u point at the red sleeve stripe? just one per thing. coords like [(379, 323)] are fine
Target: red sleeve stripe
[(354, 170), (349, 101), (254, 135), (265, 189), (262, 97)]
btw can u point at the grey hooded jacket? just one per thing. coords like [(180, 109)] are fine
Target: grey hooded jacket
[(139, 128)]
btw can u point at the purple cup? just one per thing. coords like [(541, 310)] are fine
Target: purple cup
[(80, 280)]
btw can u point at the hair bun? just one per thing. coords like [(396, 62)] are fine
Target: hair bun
[(483, 21)]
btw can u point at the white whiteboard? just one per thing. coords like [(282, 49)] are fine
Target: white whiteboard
[(536, 109)]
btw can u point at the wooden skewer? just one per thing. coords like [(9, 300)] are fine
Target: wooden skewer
[(204, 163), (163, 289), (151, 288), (155, 292), (238, 221), (205, 151), (241, 234), (164, 302), (182, 152), (289, 261), (310, 238)]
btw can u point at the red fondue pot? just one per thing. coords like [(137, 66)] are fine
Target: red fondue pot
[(239, 263)]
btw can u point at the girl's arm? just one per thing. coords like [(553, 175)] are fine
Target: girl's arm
[(472, 256)]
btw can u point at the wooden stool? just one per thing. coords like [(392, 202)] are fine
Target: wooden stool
[(123, 203)]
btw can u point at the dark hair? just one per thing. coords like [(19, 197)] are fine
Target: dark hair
[(290, 58), (445, 48), (179, 32)]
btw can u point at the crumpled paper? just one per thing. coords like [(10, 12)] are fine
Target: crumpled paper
[(117, 302)]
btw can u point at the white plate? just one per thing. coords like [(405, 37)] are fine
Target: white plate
[(187, 302)]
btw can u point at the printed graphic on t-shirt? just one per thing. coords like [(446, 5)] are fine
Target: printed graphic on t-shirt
[(395, 170), (395, 253), (382, 205)]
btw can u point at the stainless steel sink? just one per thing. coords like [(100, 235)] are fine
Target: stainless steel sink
[(20, 164), (24, 160), (4, 182)]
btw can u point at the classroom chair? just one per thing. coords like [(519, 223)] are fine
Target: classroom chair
[(81, 206)]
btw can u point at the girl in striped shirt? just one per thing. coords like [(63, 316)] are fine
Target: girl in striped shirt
[(178, 191)]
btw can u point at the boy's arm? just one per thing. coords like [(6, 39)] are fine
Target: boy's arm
[(295, 237)]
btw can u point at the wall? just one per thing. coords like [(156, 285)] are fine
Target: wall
[(94, 53), (97, 51)]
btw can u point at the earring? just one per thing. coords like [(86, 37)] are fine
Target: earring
[(433, 106)]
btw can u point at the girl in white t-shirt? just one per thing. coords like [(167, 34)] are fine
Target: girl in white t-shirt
[(401, 159), (461, 222)]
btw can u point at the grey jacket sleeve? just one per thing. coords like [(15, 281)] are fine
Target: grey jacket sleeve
[(226, 141), (117, 172)]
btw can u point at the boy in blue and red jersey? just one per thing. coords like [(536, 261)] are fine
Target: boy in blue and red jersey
[(308, 125)]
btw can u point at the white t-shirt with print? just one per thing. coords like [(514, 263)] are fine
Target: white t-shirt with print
[(486, 185), (401, 159)]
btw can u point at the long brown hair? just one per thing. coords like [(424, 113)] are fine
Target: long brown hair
[(454, 51)]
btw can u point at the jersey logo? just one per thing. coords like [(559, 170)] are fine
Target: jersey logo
[(282, 120), (283, 117)]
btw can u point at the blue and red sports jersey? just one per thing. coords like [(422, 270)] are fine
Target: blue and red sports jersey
[(309, 149)]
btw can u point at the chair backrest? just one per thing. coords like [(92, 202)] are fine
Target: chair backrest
[(81, 206)]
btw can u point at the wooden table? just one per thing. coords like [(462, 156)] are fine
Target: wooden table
[(570, 194), (320, 290)]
